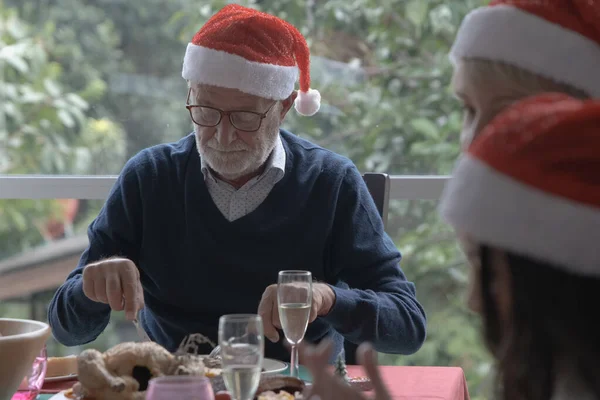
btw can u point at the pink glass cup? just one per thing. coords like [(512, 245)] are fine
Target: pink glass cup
[(32, 383), (180, 387)]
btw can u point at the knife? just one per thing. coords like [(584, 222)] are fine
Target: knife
[(140, 331)]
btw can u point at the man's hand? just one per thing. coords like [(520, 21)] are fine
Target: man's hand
[(116, 282), (327, 386), (323, 299)]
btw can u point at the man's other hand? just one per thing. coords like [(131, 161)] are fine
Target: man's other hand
[(323, 299)]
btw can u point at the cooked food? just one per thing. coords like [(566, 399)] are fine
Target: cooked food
[(213, 366), (280, 387), (212, 372), (281, 395), (213, 362), (123, 372), (362, 383), (61, 366)]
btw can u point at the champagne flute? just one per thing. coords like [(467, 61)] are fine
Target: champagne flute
[(242, 350), (294, 298)]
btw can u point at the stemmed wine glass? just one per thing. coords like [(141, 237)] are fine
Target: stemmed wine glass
[(294, 298), (242, 350)]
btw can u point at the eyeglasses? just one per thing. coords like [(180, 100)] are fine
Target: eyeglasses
[(246, 121)]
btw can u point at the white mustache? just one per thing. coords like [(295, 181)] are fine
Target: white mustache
[(213, 144)]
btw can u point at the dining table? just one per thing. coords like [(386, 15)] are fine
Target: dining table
[(404, 383)]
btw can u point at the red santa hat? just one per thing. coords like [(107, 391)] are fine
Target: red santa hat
[(530, 183), (254, 52), (557, 39)]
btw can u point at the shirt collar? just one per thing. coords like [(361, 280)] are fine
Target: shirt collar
[(275, 162)]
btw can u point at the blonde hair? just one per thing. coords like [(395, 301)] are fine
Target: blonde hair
[(524, 82)]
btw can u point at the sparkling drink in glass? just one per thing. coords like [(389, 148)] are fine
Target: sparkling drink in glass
[(294, 298), (242, 347)]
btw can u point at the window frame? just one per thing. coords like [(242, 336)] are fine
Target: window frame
[(87, 187)]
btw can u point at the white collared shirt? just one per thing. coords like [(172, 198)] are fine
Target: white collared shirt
[(236, 203)]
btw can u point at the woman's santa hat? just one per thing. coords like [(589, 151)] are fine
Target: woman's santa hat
[(557, 39), (530, 183), (254, 52)]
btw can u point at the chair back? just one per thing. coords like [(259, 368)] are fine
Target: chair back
[(379, 187)]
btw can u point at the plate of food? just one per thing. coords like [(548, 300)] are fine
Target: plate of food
[(61, 369), (123, 372), (270, 366)]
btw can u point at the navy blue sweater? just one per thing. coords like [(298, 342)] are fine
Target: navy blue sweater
[(196, 266)]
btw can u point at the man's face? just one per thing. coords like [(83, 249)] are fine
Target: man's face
[(228, 151)]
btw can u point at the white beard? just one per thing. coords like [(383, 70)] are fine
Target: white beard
[(238, 159)]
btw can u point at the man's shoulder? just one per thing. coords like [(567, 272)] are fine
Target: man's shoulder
[(305, 153), (162, 158)]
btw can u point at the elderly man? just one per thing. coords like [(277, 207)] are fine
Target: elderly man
[(199, 228)]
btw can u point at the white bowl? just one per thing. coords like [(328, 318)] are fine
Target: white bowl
[(20, 343)]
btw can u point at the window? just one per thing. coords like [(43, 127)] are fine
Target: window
[(86, 84)]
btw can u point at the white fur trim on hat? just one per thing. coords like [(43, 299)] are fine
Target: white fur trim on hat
[(308, 103), (499, 211), (219, 68), (508, 34)]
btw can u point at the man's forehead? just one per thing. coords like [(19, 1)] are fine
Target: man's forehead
[(219, 95)]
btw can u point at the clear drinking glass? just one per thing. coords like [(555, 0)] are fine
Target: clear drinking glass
[(242, 350), (180, 387), (294, 298), (32, 383)]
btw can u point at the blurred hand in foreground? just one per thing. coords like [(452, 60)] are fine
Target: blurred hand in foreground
[(328, 386)]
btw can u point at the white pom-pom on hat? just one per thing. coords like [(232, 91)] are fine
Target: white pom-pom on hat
[(308, 103)]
